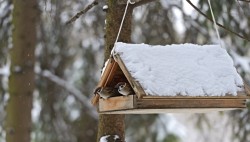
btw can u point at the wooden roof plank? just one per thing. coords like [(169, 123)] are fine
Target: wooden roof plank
[(111, 74), (106, 74), (104, 79)]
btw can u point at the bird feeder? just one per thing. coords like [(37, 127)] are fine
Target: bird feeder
[(174, 78)]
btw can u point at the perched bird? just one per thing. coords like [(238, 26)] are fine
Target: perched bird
[(106, 92), (124, 89)]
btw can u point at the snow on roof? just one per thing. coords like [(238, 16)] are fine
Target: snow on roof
[(183, 69)]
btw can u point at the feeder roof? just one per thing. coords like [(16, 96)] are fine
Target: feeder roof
[(183, 69)]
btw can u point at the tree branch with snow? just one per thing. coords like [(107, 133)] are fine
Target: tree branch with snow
[(70, 88)]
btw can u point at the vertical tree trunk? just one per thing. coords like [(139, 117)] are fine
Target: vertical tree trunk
[(21, 79), (114, 124)]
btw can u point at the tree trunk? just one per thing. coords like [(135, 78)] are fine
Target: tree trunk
[(114, 124), (21, 79)]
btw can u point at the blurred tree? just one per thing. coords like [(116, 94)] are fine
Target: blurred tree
[(64, 54), (22, 76)]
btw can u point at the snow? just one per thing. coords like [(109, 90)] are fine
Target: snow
[(105, 7), (17, 69), (5, 70), (183, 69), (105, 65), (104, 138)]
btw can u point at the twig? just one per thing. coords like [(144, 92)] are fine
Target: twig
[(197, 9), (74, 18)]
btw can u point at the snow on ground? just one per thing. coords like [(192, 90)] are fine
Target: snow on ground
[(184, 69)]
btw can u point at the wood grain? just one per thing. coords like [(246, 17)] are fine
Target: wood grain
[(162, 111), (191, 103), (117, 103), (131, 104)]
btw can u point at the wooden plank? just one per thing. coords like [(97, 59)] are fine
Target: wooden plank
[(191, 103), (162, 111), (134, 84), (117, 103), (141, 92), (106, 72), (111, 74), (129, 105), (239, 96)]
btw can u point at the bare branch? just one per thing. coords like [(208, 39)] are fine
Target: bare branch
[(75, 92), (74, 18), (197, 9)]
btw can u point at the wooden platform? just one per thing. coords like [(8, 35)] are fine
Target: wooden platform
[(180, 104)]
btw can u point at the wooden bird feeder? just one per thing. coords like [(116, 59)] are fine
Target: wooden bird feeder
[(146, 100)]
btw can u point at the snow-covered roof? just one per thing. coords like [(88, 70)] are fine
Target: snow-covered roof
[(183, 69)]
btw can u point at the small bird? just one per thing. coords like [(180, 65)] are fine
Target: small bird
[(124, 89), (106, 92)]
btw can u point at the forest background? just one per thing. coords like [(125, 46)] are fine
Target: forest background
[(67, 64)]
